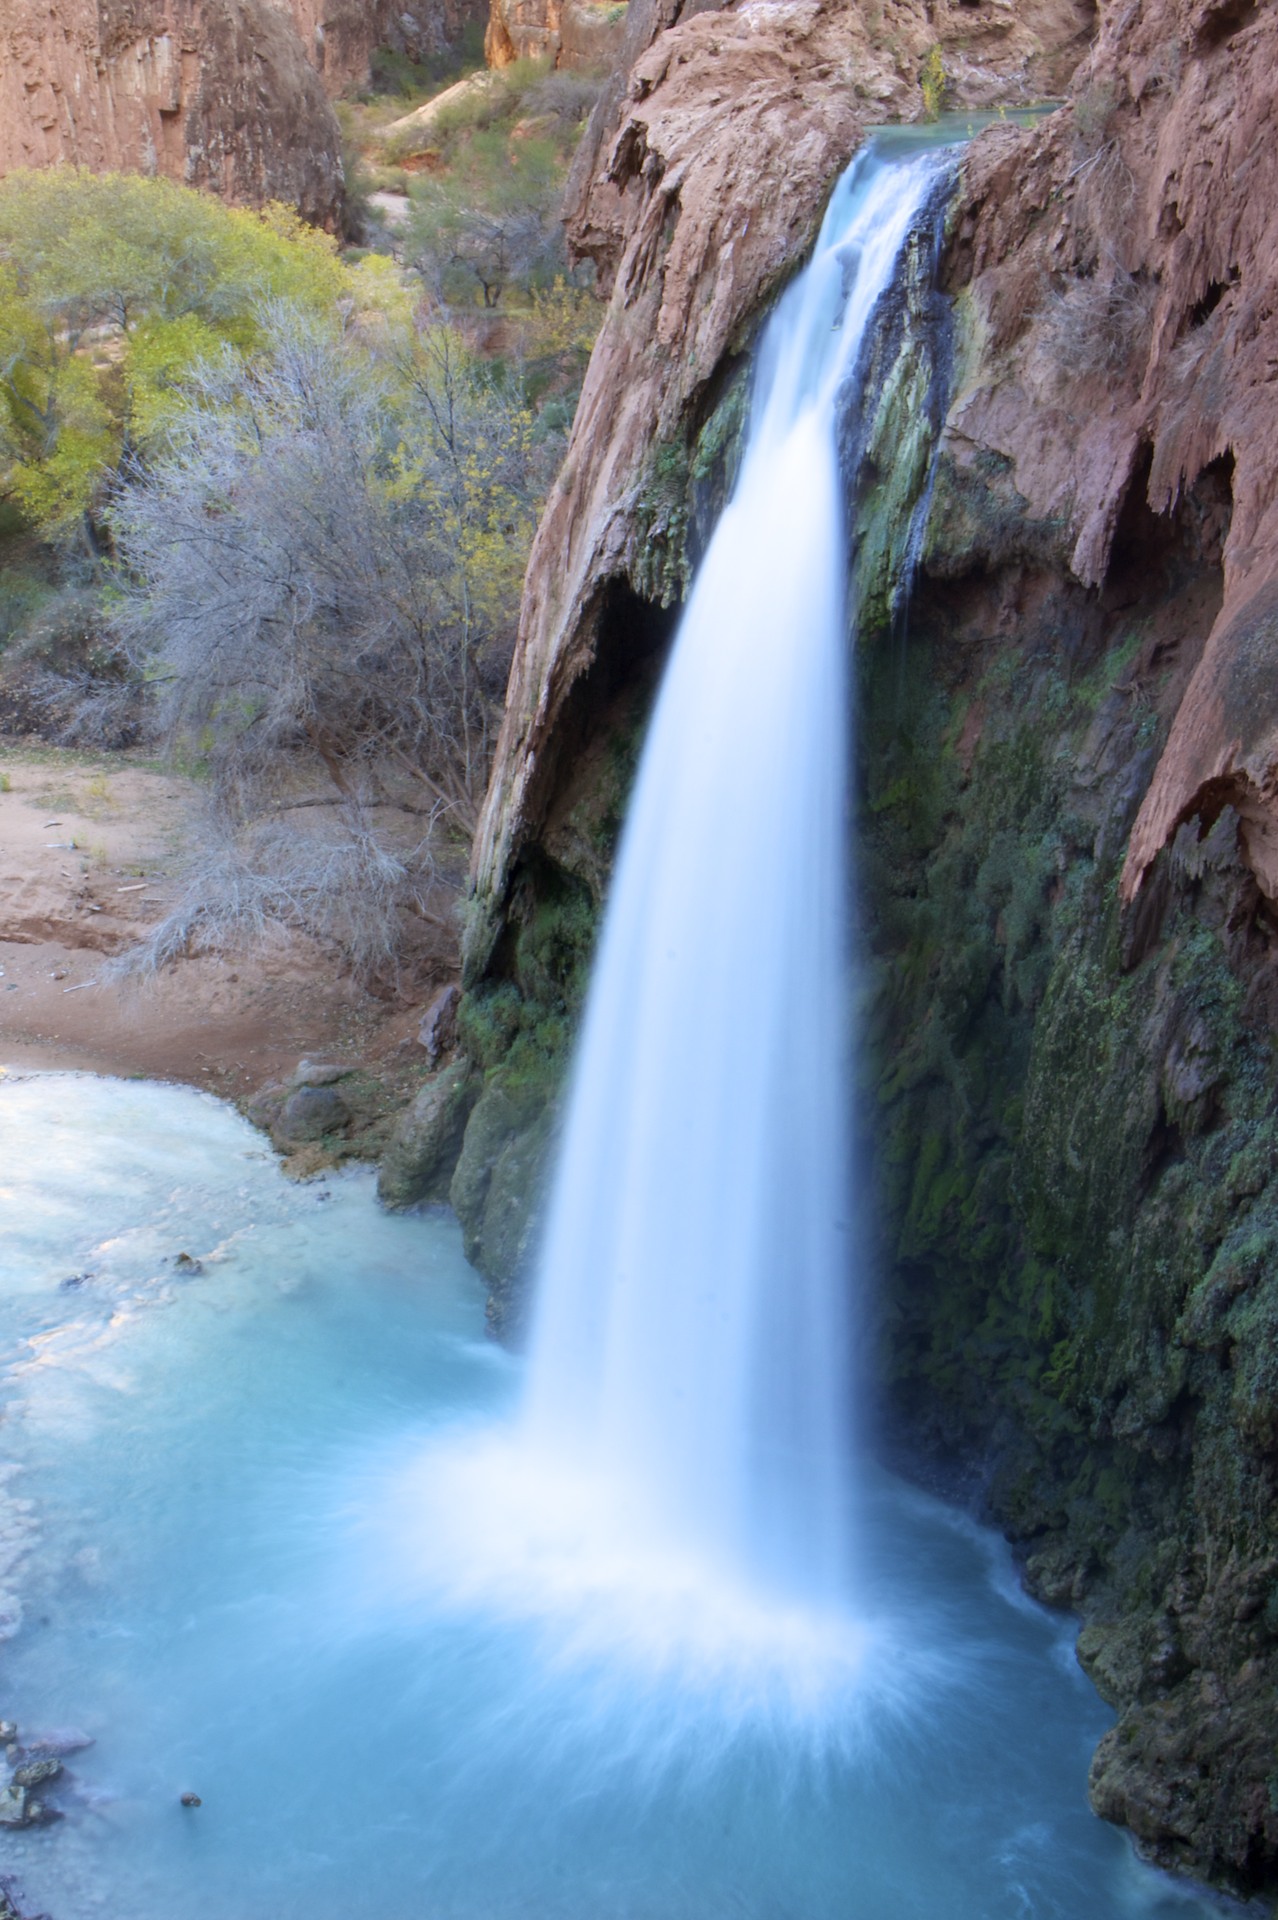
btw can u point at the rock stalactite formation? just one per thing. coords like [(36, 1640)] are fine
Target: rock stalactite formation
[(1069, 769)]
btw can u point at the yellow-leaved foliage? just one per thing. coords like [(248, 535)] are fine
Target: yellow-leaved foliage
[(112, 287)]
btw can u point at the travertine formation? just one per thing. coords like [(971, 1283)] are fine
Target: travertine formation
[(1158, 192), (701, 181)]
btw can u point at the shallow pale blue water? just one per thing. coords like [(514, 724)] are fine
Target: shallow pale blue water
[(278, 1553)]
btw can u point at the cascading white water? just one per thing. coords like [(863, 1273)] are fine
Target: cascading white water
[(691, 1338)]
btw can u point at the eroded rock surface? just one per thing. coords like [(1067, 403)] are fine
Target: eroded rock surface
[(582, 34), (1123, 262), (216, 93), (232, 95)]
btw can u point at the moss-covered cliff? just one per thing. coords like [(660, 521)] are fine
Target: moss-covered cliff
[(1072, 1116)]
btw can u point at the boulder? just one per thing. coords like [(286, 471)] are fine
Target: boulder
[(36, 1772), (423, 1150), (310, 1113), (438, 1030)]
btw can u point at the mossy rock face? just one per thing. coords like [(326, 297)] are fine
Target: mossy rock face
[(501, 1115), (1072, 1117), (423, 1150)]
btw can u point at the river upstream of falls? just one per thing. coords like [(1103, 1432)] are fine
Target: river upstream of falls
[(270, 1560)]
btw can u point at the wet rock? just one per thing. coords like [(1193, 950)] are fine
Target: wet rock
[(438, 1030), (58, 1741), (13, 1807), (309, 1114), (192, 1800), (187, 1263), (36, 1772), (423, 1151)]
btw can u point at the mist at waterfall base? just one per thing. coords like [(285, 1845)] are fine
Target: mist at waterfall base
[(215, 1591), (604, 1634)]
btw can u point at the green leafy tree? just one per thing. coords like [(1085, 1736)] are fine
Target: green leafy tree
[(111, 288)]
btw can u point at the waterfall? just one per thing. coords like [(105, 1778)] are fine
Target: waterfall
[(691, 1340)]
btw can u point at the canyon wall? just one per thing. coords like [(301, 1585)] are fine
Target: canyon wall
[(232, 95), (1068, 780), (576, 34), (215, 93)]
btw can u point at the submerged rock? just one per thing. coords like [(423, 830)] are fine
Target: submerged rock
[(58, 1741)]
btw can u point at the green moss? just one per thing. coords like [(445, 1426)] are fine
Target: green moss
[(660, 569)]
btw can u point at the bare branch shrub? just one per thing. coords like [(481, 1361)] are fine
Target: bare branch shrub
[(1098, 326), (319, 582), (339, 879)]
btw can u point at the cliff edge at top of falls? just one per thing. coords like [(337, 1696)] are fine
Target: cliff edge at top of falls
[(697, 190)]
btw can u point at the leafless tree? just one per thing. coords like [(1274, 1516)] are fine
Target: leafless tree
[(316, 582)]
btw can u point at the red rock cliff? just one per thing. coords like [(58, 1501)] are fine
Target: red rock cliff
[(1152, 205), (216, 93)]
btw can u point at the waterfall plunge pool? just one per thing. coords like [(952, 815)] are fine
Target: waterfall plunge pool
[(266, 1534)]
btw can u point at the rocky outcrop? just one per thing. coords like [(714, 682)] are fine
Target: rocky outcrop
[(232, 95), (585, 35), (215, 93), (420, 1159), (1138, 238)]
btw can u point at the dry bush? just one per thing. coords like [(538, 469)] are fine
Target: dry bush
[(1098, 327), (376, 897), (318, 585)]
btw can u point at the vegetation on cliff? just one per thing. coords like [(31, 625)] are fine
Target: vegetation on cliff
[(271, 506)]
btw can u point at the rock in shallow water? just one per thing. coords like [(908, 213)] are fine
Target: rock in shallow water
[(36, 1772), (310, 1114), (423, 1151)]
